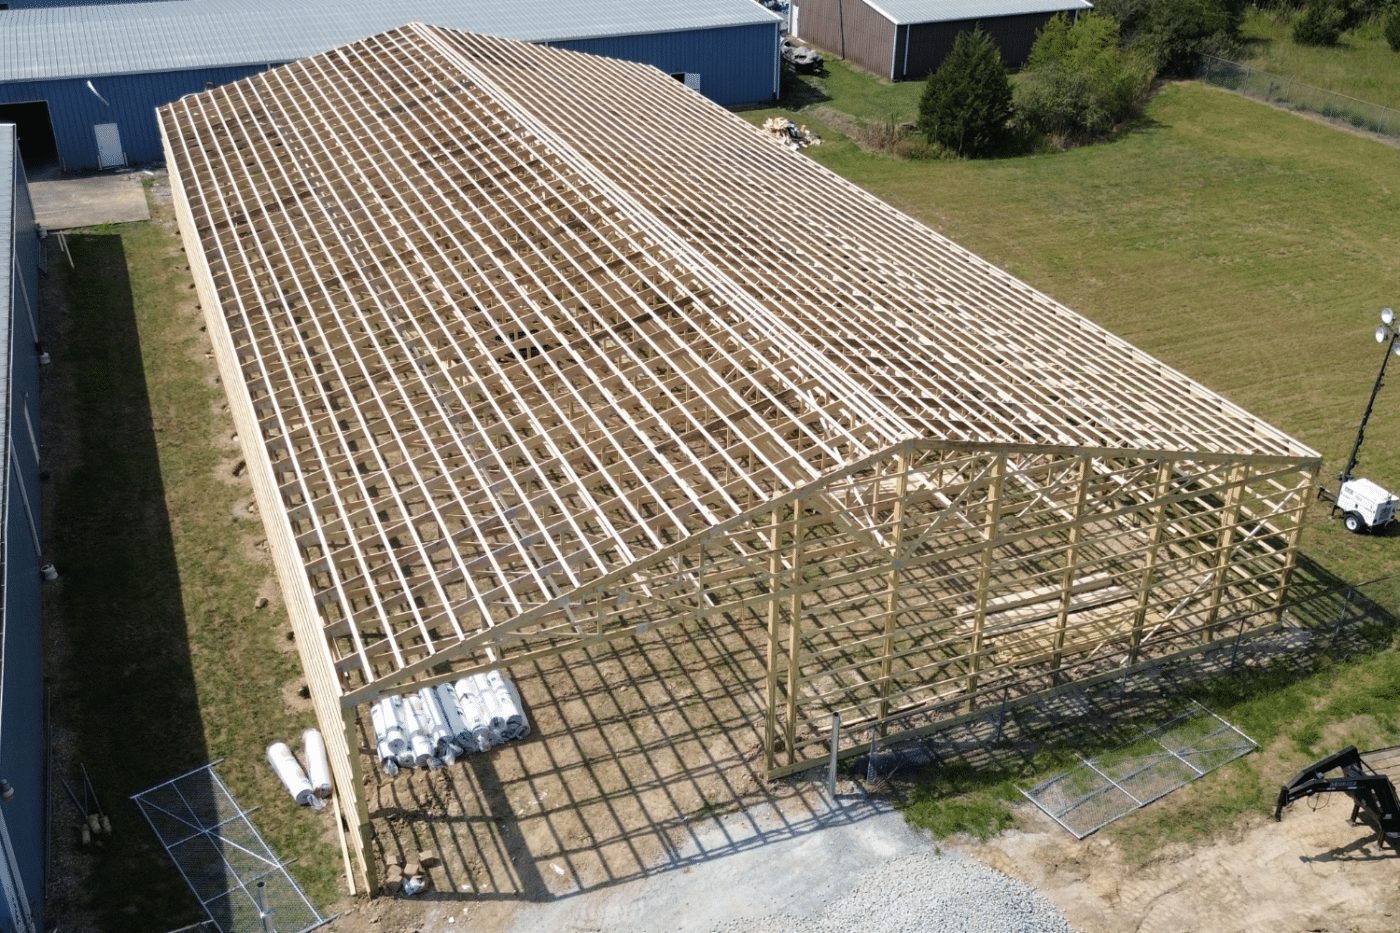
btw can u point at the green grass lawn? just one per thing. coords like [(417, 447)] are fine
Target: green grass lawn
[(173, 665), (1251, 249), (1362, 65), (1248, 247)]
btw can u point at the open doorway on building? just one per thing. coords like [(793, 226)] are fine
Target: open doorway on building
[(37, 146)]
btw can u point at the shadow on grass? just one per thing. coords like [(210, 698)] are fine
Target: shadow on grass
[(127, 692), (1326, 623)]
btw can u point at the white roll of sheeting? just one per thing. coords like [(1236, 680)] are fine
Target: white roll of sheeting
[(408, 718), (440, 732), (388, 760), (495, 721), (318, 769), (473, 716), (385, 720), (422, 750), (288, 771), (522, 728), (455, 724), (508, 701)]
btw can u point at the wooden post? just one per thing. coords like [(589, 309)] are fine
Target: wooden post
[(775, 567), (363, 832), (892, 583), (1149, 570), (995, 485), (1076, 532), (1229, 522), (795, 628)]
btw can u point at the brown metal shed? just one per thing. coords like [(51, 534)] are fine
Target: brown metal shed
[(906, 39)]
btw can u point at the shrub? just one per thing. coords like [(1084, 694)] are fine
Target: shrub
[(967, 102), (1392, 27), (1324, 21), (1174, 33), (1079, 82)]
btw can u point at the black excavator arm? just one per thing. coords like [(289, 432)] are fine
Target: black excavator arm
[(1373, 795)]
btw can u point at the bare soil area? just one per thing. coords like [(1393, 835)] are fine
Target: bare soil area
[(1312, 871)]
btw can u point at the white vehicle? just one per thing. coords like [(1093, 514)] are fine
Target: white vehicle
[(1365, 505)]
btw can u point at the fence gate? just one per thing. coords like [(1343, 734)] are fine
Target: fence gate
[(1102, 789), (223, 857)]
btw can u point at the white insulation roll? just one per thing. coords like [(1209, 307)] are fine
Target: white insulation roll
[(384, 717), (474, 719), (522, 727), (461, 736), (495, 718), (289, 772), (508, 702), (318, 769), (439, 731)]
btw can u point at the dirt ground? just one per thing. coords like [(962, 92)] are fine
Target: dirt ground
[(1312, 872), (639, 786)]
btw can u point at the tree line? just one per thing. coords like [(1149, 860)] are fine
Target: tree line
[(1088, 74)]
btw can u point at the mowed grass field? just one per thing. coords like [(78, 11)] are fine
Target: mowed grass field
[(1250, 248)]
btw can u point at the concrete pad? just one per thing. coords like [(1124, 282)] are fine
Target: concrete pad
[(65, 203)]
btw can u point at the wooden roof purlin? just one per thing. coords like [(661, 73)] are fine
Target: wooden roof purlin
[(528, 348)]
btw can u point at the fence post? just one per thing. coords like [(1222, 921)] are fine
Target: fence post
[(835, 741)]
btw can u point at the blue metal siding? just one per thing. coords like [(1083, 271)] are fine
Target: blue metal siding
[(131, 103), (737, 65), (22, 739)]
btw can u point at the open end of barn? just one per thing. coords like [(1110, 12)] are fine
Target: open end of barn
[(531, 350)]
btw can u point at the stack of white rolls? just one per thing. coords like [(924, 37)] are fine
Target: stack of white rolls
[(437, 725)]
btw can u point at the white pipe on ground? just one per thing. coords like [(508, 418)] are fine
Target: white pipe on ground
[(318, 769), (289, 772)]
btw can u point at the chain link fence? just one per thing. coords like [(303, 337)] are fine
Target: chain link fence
[(233, 872), (1274, 89), (1112, 785)]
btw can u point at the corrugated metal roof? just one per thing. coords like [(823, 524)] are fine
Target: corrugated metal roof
[(950, 11), (89, 41), (9, 157)]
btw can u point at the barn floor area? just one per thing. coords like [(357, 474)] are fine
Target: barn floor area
[(629, 744)]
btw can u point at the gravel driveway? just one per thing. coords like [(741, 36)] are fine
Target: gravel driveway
[(859, 868)]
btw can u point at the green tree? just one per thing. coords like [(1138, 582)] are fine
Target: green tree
[(1174, 33), (967, 101), (1392, 27), (1079, 82), (1324, 21)]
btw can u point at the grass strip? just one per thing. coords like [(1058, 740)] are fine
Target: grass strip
[(172, 666)]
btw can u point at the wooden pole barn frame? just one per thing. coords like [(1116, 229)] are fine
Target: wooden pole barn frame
[(531, 350)]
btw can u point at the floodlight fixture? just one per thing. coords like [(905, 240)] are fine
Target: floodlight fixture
[(1387, 332)]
